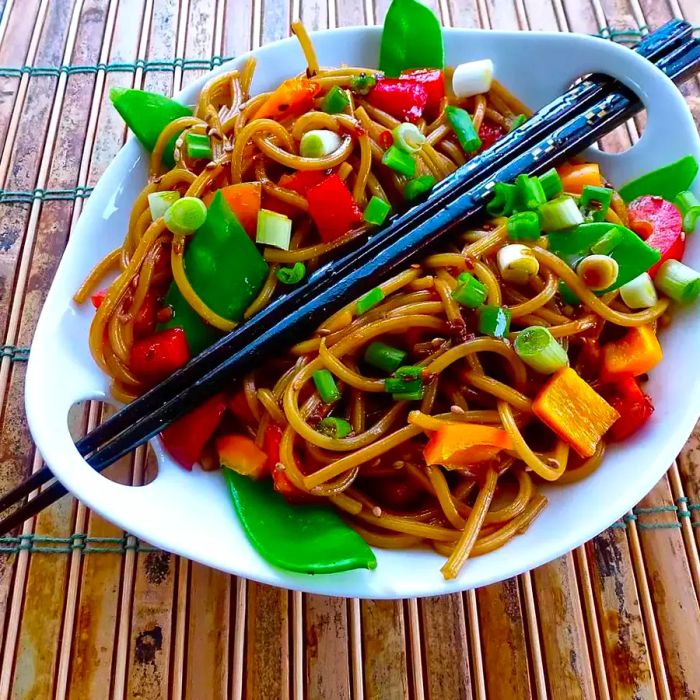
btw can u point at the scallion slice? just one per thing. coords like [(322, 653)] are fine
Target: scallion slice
[(335, 101), (319, 143), (292, 275), (517, 122), (640, 292), (538, 349), (494, 321), (472, 78), (463, 126), (384, 357), (369, 301), (595, 202), (524, 226), (198, 146), (326, 386), (407, 384), (334, 427), (517, 263), (559, 214), (185, 216), (529, 193), (469, 292), (678, 281), (160, 202), (689, 206), (408, 137), (400, 161), (608, 242), (551, 183), (273, 229), (376, 211), (362, 83), (418, 186), (503, 202)]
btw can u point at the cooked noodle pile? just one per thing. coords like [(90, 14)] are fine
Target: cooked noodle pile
[(377, 475)]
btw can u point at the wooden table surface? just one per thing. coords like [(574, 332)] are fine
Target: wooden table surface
[(89, 612)]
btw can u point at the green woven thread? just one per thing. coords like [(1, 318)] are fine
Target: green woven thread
[(41, 544), (168, 65), (15, 353), (45, 195)]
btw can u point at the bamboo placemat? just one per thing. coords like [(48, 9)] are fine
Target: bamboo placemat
[(89, 612)]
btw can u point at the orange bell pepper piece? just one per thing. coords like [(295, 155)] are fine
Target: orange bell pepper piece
[(459, 445), (291, 97), (575, 176), (245, 201), (574, 411), (242, 455), (634, 354)]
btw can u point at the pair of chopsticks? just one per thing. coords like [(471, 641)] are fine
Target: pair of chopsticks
[(558, 131)]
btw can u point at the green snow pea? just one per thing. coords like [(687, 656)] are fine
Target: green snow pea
[(412, 38), (664, 182), (309, 539)]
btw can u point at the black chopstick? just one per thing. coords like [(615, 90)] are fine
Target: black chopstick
[(577, 100), (382, 254)]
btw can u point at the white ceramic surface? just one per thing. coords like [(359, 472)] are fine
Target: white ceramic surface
[(190, 513)]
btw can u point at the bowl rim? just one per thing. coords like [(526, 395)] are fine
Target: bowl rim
[(271, 575)]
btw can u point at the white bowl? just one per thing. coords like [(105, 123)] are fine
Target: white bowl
[(190, 513)]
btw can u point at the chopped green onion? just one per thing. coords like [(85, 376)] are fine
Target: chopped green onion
[(185, 216), (273, 229), (598, 272), (408, 395), (417, 187), (524, 226), (551, 183), (326, 386), (472, 78), (362, 83), (408, 137), (608, 242), (537, 348), (494, 321), (319, 143), (689, 206), (461, 122), (503, 201), (369, 301), (334, 427), (292, 275), (595, 202), (529, 193), (198, 146), (560, 213), (407, 381), (517, 263), (469, 292), (376, 211), (384, 357), (517, 122), (639, 293), (160, 202), (678, 281), (400, 161), (335, 101)]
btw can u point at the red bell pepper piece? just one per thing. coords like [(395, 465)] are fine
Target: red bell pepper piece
[(186, 437), (145, 320), (660, 223), (98, 297), (160, 354), (240, 408), (489, 133), (281, 483), (633, 405), (404, 99), (302, 181), (332, 208), (433, 80)]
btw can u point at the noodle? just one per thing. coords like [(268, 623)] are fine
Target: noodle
[(377, 474)]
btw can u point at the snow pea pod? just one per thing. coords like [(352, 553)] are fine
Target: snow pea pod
[(412, 38), (666, 182), (309, 539)]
